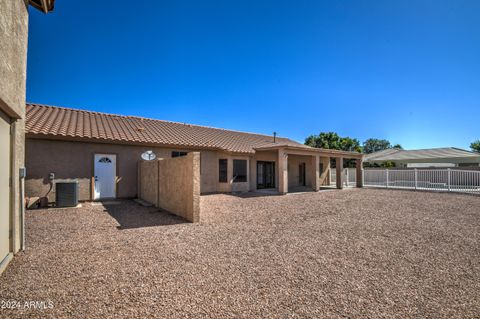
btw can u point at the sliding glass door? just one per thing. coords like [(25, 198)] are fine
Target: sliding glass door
[(265, 175)]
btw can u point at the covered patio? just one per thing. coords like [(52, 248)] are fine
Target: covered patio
[(303, 168)]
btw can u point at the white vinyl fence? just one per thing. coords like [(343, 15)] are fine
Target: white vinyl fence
[(448, 180)]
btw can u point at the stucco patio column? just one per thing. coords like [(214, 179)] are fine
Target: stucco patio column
[(359, 172), (325, 172), (315, 172), (282, 172), (339, 168)]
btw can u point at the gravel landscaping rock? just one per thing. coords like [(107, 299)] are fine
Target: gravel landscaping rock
[(355, 253)]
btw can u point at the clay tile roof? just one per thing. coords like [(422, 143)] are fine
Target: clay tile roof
[(51, 121)]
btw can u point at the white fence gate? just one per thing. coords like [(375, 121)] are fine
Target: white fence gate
[(447, 180), (349, 177)]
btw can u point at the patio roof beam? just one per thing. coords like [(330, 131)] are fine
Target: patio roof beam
[(311, 151), (324, 153)]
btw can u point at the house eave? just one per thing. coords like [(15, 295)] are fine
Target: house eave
[(45, 6)]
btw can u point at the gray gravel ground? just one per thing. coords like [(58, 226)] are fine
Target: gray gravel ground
[(353, 253)]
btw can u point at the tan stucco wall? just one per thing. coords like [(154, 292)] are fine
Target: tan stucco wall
[(177, 185), (13, 54), (208, 171), (148, 181), (68, 160), (73, 159), (13, 57), (293, 169)]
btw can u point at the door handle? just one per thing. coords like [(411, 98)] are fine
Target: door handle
[(96, 178)]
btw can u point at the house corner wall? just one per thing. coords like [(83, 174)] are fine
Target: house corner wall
[(13, 65)]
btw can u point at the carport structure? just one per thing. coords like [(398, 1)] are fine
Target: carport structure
[(310, 167), (431, 157)]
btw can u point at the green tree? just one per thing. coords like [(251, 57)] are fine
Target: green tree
[(373, 145), (475, 146), (397, 146), (350, 144), (331, 140)]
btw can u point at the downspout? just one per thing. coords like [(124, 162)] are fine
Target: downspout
[(22, 206)]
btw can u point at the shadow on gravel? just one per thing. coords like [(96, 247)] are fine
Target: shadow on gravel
[(132, 215), (254, 194)]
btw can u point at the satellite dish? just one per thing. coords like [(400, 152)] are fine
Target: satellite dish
[(148, 155)]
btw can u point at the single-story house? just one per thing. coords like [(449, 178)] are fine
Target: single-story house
[(13, 67), (102, 152), (424, 158)]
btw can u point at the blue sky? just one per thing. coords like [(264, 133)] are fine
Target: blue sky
[(407, 71)]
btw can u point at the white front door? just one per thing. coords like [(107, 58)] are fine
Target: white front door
[(5, 154), (105, 175)]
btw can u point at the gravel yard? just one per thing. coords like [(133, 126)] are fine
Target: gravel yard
[(354, 253)]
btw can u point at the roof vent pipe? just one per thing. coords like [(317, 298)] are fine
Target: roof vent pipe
[(274, 137)]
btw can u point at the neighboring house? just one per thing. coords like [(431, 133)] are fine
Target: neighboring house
[(434, 157), (13, 61), (102, 152)]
